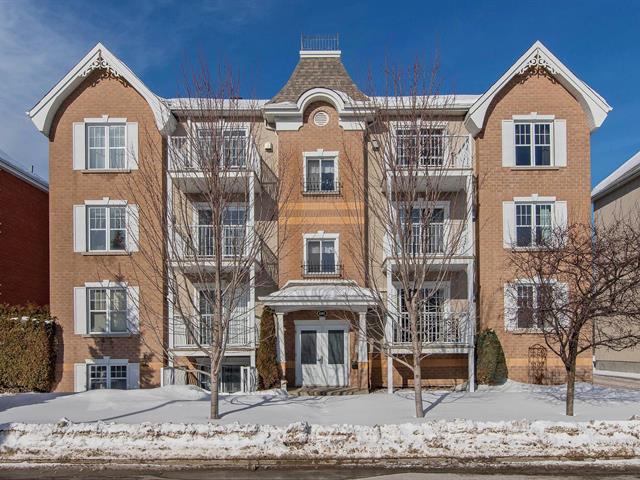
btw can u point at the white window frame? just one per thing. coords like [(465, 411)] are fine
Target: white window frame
[(107, 229), (108, 289), (108, 363), (532, 120), (527, 282), (321, 154), (222, 127), (322, 236), (399, 125), (533, 202), (105, 123)]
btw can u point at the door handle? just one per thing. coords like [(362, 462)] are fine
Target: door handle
[(320, 360)]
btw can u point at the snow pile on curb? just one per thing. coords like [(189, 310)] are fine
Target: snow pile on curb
[(458, 439)]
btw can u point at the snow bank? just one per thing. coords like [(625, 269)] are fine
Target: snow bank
[(459, 440)]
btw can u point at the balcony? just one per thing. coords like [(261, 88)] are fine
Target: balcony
[(435, 329), (194, 242), (445, 164), (195, 332), (237, 164), (430, 246)]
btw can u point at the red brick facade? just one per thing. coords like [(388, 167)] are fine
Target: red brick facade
[(24, 236)]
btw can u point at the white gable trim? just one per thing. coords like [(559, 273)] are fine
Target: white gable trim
[(593, 104), (99, 57)]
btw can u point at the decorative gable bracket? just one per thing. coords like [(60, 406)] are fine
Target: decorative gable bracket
[(536, 62), (99, 63)]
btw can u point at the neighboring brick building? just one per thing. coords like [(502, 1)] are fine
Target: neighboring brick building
[(24, 236), (522, 165)]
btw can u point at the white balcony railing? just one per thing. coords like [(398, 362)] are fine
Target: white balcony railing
[(196, 331), (199, 240), (241, 155), (434, 328), (437, 151), (430, 240)]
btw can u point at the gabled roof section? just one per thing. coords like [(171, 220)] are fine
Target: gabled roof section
[(99, 57), (538, 56), (623, 174), (322, 69), (9, 166)]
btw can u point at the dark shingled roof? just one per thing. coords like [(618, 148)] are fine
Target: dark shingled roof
[(311, 72)]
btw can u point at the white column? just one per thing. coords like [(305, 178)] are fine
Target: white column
[(280, 351), (362, 337), (388, 327), (472, 325)]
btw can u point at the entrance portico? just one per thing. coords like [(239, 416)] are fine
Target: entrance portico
[(321, 328)]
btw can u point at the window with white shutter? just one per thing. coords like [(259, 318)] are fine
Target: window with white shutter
[(105, 144)]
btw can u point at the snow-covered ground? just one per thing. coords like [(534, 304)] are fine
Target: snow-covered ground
[(512, 401), (510, 422)]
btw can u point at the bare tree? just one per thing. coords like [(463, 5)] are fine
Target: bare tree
[(219, 202), (418, 189), (578, 287)]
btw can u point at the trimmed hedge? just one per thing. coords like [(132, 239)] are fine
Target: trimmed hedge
[(491, 365), (27, 349), (266, 364)]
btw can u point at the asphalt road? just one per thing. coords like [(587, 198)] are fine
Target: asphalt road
[(101, 473)]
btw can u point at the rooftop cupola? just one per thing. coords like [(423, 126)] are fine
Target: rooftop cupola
[(319, 66)]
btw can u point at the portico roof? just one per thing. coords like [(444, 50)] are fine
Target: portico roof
[(320, 294)]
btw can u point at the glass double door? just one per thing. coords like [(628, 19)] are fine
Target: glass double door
[(322, 355)]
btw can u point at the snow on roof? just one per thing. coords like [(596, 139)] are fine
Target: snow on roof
[(622, 174), (186, 103), (9, 166), (320, 293)]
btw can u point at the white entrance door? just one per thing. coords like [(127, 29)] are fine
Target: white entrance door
[(322, 354)]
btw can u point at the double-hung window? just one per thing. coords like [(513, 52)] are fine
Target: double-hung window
[(321, 175), (533, 224), (531, 300), (424, 147), (321, 257), (107, 310), (102, 376), (107, 229), (533, 144), (106, 147)]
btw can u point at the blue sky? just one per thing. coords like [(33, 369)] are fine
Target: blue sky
[(477, 41)]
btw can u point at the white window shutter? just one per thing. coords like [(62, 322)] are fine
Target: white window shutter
[(133, 228), (560, 214), (79, 377), (80, 310), (508, 224), (79, 149), (133, 376), (560, 142), (510, 308), (508, 143), (79, 228), (132, 145), (133, 309)]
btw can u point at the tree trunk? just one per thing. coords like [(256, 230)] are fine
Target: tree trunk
[(571, 385), (215, 412), (417, 385)]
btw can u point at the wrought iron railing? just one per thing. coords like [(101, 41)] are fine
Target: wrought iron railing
[(319, 42), (330, 187), (321, 269)]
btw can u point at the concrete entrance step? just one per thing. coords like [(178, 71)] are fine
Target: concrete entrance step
[(324, 391)]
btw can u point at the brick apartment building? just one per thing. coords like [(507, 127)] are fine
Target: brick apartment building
[(24, 236), (522, 164)]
